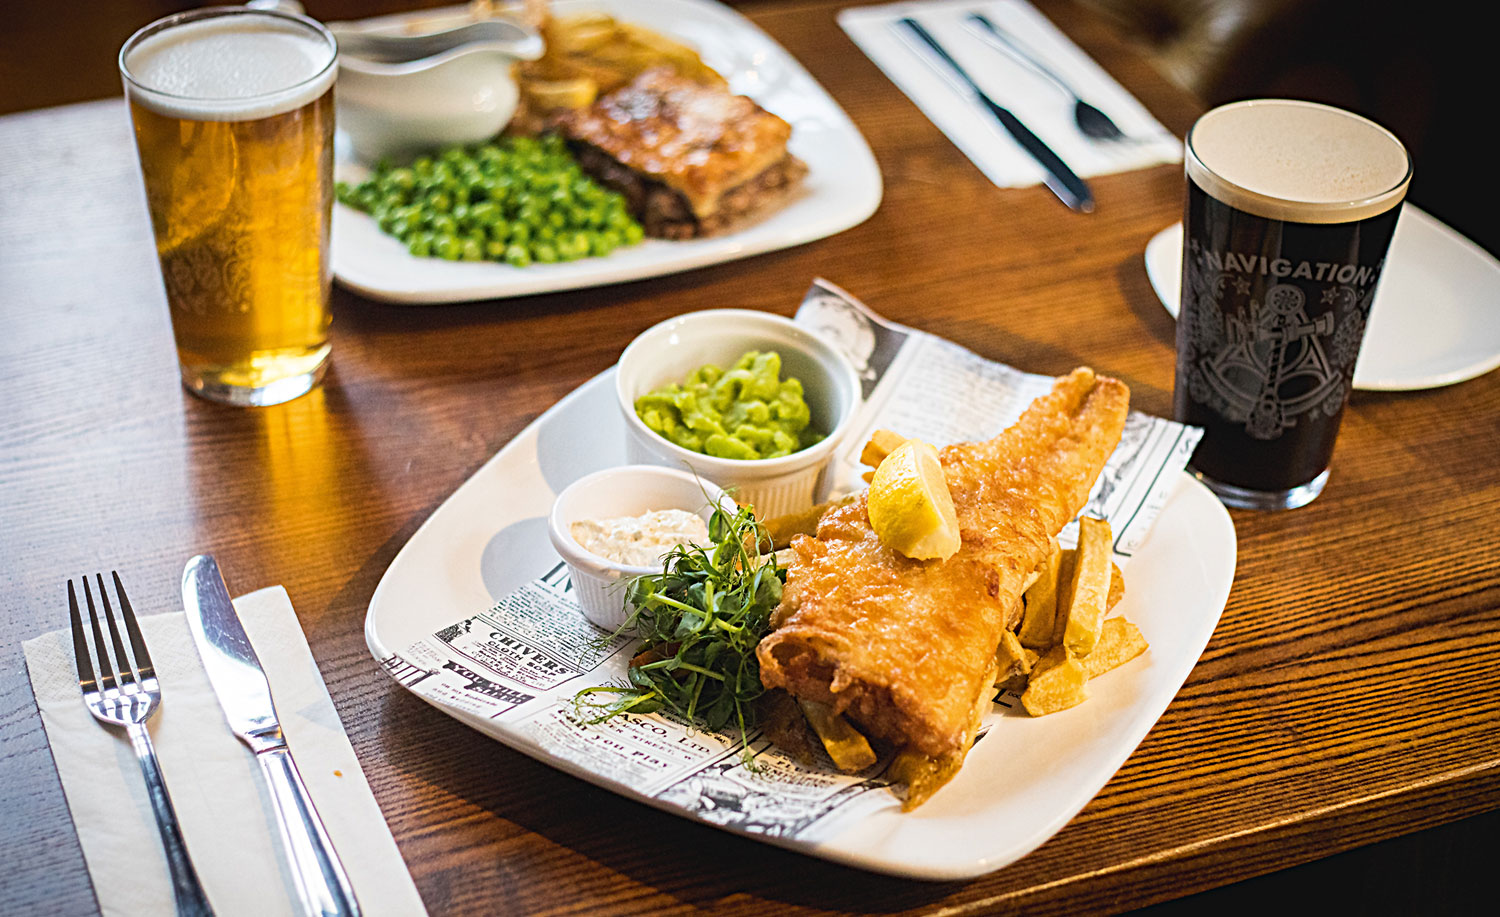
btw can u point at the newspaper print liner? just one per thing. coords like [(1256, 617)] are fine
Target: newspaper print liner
[(522, 661)]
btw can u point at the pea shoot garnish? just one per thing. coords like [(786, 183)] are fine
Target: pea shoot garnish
[(700, 620)]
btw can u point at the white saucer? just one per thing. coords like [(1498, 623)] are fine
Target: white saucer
[(1436, 317)]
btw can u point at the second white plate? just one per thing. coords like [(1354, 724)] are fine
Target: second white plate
[(1434, 321), (842, 188)]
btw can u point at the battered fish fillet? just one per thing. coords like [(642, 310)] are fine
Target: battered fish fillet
[(904, 648)]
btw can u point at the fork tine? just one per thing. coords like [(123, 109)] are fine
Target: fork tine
[(108, 680), (80, 643), (137, 642), (123, 665)]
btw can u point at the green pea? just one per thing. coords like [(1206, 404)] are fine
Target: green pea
[(519, 200), (404, 179), (485, 213)]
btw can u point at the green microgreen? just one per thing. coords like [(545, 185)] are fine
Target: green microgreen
[(699, 620)]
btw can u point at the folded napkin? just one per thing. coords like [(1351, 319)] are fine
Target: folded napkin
[(1039, 103), (221, 800)]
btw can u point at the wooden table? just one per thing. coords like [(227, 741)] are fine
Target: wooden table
[(1351, 693)]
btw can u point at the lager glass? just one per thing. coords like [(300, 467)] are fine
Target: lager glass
[(233, 116), (1289, 214)]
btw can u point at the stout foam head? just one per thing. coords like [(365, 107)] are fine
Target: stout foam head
[(1298, 161), (228, 65)]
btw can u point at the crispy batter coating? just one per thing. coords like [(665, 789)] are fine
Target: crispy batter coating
[(903, 647)]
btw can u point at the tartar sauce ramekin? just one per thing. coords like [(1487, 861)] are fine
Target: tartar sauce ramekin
[(629, 490)]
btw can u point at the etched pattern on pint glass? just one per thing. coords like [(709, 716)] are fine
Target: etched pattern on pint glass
[(233, 115), (1264, 356)]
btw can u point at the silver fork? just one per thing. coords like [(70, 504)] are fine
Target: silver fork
[(1092, 122), (127, 701)]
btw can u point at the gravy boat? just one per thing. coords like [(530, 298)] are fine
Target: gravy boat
[(464, 93)]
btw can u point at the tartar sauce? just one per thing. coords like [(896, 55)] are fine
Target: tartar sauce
[(640, 541)]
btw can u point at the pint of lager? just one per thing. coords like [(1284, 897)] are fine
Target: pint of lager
[(1290, 211), (233, 116)]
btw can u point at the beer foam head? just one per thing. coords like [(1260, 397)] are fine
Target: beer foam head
[(1298, 161), (228, 66)]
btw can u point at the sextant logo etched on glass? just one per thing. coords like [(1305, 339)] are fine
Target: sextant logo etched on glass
[(1262, 354)]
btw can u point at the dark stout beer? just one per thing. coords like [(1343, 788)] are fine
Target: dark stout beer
[(1289, 214)]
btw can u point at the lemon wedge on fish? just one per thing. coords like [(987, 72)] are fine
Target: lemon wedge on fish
[(910, 507)]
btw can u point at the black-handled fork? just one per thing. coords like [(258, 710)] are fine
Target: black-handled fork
[(1062, 180), (1091, 121), (125, 694)]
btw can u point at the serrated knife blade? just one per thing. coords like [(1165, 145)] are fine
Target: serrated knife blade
[(240, 684)]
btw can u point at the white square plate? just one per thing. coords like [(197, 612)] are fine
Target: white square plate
[(842, 188), (1018, 787)]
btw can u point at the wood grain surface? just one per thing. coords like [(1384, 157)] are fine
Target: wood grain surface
[(1350, 694)]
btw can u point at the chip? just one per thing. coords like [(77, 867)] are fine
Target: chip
[(849, 750), (1041, 603), (1119, 642), (1057, 683), (1089, 596)]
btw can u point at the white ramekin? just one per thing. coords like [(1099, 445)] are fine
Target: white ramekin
[(668, 352), (628, 490)]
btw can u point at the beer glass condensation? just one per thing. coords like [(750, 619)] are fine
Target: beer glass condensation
[(1289, 215), (233, 116)]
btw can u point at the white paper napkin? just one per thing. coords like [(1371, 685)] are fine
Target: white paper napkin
[(1040, 104), (216, 787)]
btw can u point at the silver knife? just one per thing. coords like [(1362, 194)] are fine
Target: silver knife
[(1063, 181), (243, 692)]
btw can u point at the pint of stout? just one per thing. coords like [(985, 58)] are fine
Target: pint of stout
[(233, 115), (1289, 214)]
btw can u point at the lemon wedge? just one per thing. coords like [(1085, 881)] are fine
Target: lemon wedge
[(910, 507)]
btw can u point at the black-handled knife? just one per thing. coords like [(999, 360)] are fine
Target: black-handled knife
[(1063, 181)]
